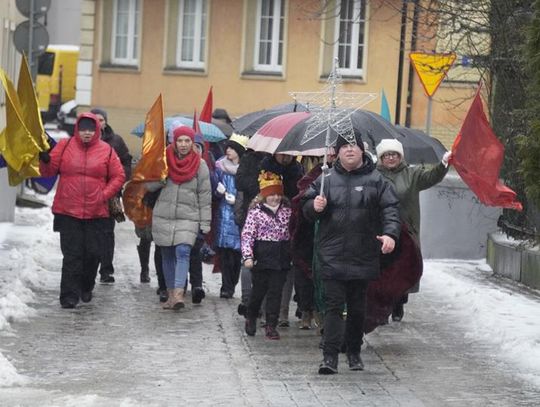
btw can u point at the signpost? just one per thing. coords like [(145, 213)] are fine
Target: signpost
[(31, 37), (431, 69)]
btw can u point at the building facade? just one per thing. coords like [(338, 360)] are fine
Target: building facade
[(252, 52)]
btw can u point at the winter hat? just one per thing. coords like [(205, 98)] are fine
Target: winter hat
[(355, 139), (86, 123), (102, 112), (183, 131), (221, 114), (270, 184), (389, 144), (238, 143)]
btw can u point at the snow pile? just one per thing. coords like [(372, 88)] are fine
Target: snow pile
[(491, 313), (8, 374)]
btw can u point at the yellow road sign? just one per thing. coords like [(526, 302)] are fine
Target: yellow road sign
[(431, 68)]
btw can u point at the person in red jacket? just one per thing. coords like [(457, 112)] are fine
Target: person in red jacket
[(90, 174)]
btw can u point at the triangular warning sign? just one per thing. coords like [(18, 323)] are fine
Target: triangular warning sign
[(431, 68)]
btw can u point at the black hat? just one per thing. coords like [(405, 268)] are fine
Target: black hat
[(102, 112), (86, 123), (353, 139), (240, 149)]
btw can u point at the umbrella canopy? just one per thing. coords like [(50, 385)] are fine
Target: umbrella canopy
[(269, 136), (210, 132), (418, 147), (249, 123)]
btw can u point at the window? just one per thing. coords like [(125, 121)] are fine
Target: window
[(125, 32), (269, 36), (191, 46), (350, 34)]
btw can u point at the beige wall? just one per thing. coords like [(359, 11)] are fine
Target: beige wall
[(128, 94)]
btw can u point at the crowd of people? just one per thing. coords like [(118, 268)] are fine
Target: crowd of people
[(276, 226)]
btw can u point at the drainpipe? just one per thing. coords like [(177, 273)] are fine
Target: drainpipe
[(410, 80), (399, 85)]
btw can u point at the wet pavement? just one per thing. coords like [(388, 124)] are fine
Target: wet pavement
[(122, 349)]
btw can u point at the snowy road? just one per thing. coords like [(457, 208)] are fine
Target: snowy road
[(467, 339)]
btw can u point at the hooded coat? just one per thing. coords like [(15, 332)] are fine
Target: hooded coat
[(408, 182), (90, 175), (361, 204)]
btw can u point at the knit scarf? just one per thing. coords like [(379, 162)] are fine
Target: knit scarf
[(182, 170)]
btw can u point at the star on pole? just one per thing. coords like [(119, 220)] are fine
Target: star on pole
[(331, 111)]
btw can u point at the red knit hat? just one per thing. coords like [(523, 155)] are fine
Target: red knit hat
[(270, 184), (183, 131)]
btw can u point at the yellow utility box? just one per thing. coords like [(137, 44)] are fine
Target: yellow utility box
[(56, 78)]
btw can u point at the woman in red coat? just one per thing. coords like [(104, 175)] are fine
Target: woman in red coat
[(90, 174)]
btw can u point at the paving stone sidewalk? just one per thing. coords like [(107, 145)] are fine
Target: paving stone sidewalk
[(123, 350)]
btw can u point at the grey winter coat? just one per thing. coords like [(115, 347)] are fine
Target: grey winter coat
[(182, 210)]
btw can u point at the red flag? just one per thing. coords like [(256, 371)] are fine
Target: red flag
[(206, 112), (477, 155), (196, 127)]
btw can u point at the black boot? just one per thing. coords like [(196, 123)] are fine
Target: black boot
[(329, 364), (397, 312), (144, 256), (355, 362)]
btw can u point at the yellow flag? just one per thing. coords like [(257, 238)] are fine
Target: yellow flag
[(431, 68), (32, 119), (151, 167), (30, 107), (18, 146)]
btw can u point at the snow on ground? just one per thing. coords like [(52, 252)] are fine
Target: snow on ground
[(491, 312)]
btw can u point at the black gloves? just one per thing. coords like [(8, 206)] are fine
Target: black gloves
[(44, 157)]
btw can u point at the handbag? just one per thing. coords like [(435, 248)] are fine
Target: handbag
[(115, 209)]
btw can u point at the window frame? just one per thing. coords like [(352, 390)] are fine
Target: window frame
[(201, 13), (134, 23), (278, 25), (359, 6)]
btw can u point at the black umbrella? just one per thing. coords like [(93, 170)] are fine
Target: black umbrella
[(249, 123), (418, 147)]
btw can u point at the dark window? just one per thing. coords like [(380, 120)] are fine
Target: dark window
[(46, 63)]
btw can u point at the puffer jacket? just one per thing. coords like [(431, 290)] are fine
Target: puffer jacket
[(266, 237), (182, 210), (90, 174), (408, 182), (362, 204), (228, 232)]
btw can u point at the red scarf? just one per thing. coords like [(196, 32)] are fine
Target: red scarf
[(182, 169)]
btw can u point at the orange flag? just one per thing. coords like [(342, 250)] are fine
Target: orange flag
[(206, 112), (477, 156), (151, 167)]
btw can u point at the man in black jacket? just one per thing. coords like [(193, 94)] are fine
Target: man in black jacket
[(106, 269), (358, 215)]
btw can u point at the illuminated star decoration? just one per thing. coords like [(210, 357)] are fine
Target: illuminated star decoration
[(331, 109)]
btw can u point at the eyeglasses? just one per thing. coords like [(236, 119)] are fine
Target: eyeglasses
[(390, 154)]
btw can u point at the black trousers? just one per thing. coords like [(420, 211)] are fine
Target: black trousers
[(303, 287), (337, 293), (267, 283), (231, 261), (195, 264), (82, 242), (107, 267), (144, 254)]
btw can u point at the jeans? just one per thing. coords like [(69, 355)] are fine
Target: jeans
[(175, 265), (337, 293)]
